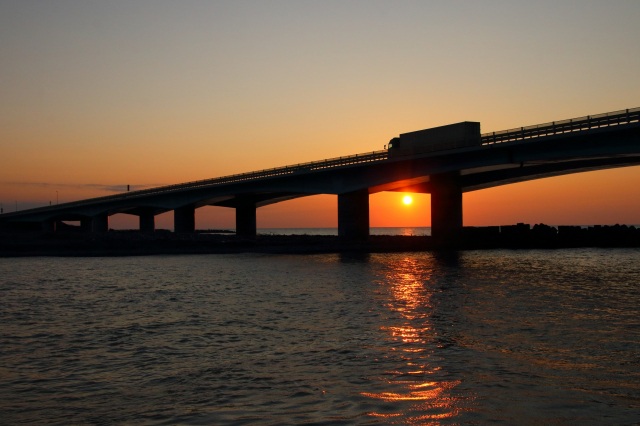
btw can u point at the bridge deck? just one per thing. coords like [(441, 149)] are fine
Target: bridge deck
[(615, 118)]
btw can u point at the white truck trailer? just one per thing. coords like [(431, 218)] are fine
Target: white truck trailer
[(452, 136)]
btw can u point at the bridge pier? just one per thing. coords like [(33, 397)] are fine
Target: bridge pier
[(184, 219), (147, 221), (97, 224), (49, 226), (446, 209), (100, 224), (353, 215), (85, 224), (246, 222)]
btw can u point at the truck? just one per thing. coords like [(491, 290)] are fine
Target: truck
[(451, 136)]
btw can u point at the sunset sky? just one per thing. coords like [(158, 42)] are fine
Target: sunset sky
[(98, 95)]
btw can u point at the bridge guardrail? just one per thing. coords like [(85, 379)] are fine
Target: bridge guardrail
[(241, 177), (564, 126), (539, 130)]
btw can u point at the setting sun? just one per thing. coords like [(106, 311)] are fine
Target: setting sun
[(407, 200)]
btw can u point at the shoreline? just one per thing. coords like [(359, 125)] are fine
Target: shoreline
[(134, 243)]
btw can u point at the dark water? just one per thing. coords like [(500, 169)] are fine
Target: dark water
[(511, 337)]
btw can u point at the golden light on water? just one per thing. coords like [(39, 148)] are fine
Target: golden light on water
[(433, 393), (411, 388), (408, 334)]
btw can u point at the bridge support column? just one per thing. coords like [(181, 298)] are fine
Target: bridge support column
[(97, 224), (184, 219), (353, 215), (446, 209), (86, 224), (147, 222), (100, 224), (246, 223), (49, 226)]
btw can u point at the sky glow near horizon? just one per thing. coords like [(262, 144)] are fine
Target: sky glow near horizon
[(100, 95)]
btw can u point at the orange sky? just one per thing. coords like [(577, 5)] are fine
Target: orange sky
[(97, 96)]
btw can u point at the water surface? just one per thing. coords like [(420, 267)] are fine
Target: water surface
[(513, 337)]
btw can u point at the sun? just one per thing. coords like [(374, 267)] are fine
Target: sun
[(407, 200)]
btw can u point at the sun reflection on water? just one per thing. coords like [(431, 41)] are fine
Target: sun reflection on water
[(416, 396)]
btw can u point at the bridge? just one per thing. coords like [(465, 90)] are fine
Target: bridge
[(575, 145)]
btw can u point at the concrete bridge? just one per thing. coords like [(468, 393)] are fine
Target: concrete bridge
[(561, 147)]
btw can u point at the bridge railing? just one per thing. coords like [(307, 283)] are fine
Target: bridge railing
[(564, 126), (266, 173), (241, 177), (546, 129), (539, 130)]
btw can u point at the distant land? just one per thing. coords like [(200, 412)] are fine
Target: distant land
[(71, 242)]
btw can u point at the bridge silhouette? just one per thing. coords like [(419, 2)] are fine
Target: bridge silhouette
[(575, 145)]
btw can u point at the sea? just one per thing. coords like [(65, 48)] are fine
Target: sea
[(404, 231), (515, 337)]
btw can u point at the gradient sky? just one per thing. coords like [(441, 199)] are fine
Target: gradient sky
[(97, 95)]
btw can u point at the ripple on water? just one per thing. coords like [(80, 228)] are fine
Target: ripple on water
[(477, 337)]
